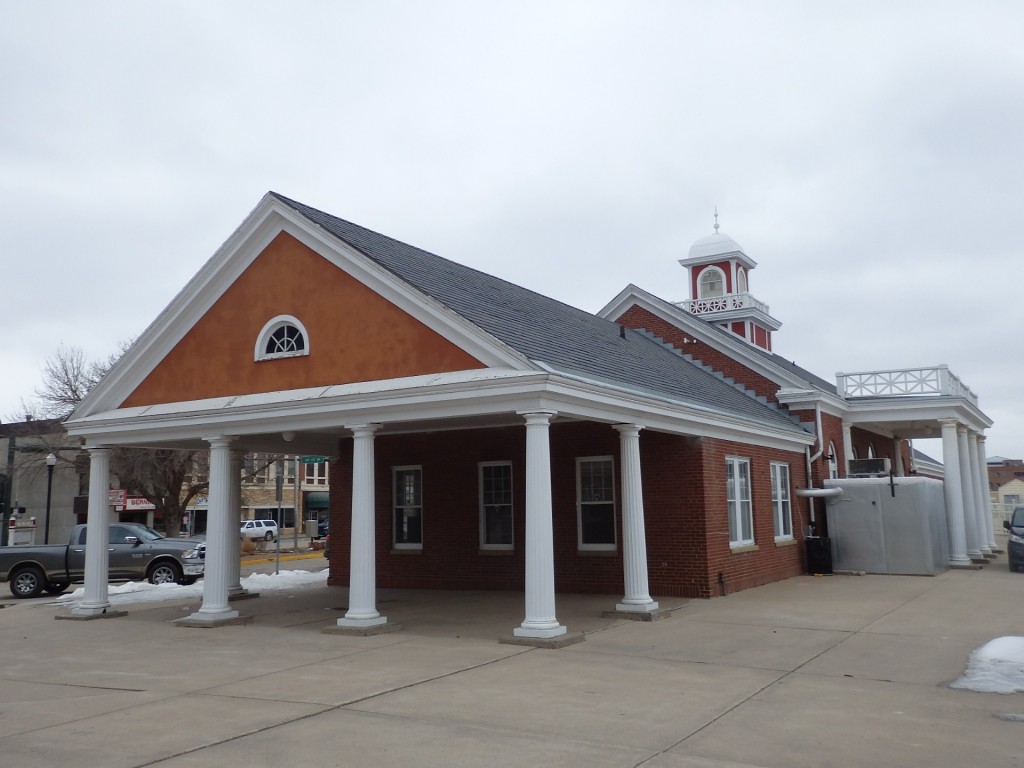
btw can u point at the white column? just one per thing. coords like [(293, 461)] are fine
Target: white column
[(97, 561), (637, 597), (847, 447), (979, 491), (362, 584), (235, 515), (954, 494), (897, 452), (967, 489), (219, 544), (986, 494), (540, 621)]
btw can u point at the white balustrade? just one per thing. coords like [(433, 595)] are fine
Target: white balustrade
[(903, 382)]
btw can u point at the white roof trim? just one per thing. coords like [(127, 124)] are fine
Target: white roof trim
[(260, 227), (421, 398)]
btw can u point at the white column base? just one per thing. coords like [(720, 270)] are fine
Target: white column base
[(212, 619), (374, 621), (646, 607), (539, 632), (90, 609)]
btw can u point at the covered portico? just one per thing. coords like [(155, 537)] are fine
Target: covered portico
[(922, 403), (315, 421)]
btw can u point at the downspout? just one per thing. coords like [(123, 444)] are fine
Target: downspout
[(810, 462)]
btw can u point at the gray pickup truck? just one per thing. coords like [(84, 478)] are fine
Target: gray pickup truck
[(136, 552)]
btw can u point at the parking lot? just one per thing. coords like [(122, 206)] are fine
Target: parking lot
[(812, 671)]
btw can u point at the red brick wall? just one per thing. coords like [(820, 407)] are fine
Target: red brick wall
[(684, 499), (636, 317)]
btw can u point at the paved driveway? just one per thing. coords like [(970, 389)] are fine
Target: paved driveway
[(813, 671)]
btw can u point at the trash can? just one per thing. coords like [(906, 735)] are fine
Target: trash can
[(819, 554), (311, 529)]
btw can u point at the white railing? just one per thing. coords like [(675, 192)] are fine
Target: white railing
[(722, 304), (904, 382)]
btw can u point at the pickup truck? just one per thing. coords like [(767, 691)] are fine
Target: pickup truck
[(136, 552)]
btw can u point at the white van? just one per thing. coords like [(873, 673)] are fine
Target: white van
[(259, 529)]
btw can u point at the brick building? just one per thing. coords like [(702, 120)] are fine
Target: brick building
[(484, 436)]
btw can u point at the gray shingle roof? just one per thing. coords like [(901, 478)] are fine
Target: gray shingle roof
[(544, 330)]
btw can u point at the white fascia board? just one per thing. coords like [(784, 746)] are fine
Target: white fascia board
[(717, 258), (418, 400), (738, 349), (257, 231), (743, 315), (933, 408), (426, 396), (600, 401), (798, 399)]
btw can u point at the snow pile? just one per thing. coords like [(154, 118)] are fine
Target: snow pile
[(996, 667), (144, 592)]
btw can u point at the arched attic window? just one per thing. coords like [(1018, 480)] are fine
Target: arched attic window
[(711, 284), (871, 450), (283, 336)]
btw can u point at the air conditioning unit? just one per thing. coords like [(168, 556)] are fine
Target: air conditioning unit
[(870, 467)]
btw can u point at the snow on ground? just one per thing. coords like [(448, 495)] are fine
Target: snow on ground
[(144, 592), (996, 667)]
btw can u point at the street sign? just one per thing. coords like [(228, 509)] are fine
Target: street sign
[(313, 459)]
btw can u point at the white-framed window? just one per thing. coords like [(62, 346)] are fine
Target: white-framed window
[(871, 450), (408, 507), (595, 502), (495, 504), (741, 280), (711, 283), (316, 474), (282, 336), (833, 462), (781, 502), (737, 491)]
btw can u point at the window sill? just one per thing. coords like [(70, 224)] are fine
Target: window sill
[(785, 542), (743, 548), (496, 552), (597, 552), (417, 551)]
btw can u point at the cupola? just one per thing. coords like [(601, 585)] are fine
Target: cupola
[(719, 277)]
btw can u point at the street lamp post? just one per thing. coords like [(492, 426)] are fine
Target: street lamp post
[(51, 460)]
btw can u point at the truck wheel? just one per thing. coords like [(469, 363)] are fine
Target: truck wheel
[(164, 573), (57, 587), (27, 581), (269, 536)]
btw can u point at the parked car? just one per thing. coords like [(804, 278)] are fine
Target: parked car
[(322, 528), (135, 552), (1015, 545), (259, 529)]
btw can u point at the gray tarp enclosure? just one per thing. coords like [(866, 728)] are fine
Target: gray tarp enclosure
[(897, 528)]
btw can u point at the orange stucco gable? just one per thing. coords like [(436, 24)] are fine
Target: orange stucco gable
[(354, 334)]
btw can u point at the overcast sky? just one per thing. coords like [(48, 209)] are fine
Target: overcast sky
[(868, 155)]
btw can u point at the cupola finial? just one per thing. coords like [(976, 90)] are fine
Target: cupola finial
[(716, 219)]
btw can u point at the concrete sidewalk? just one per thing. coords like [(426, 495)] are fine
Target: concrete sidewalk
[(813, 671)]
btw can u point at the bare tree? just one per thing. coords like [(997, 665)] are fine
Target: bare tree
[(164, 477)]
